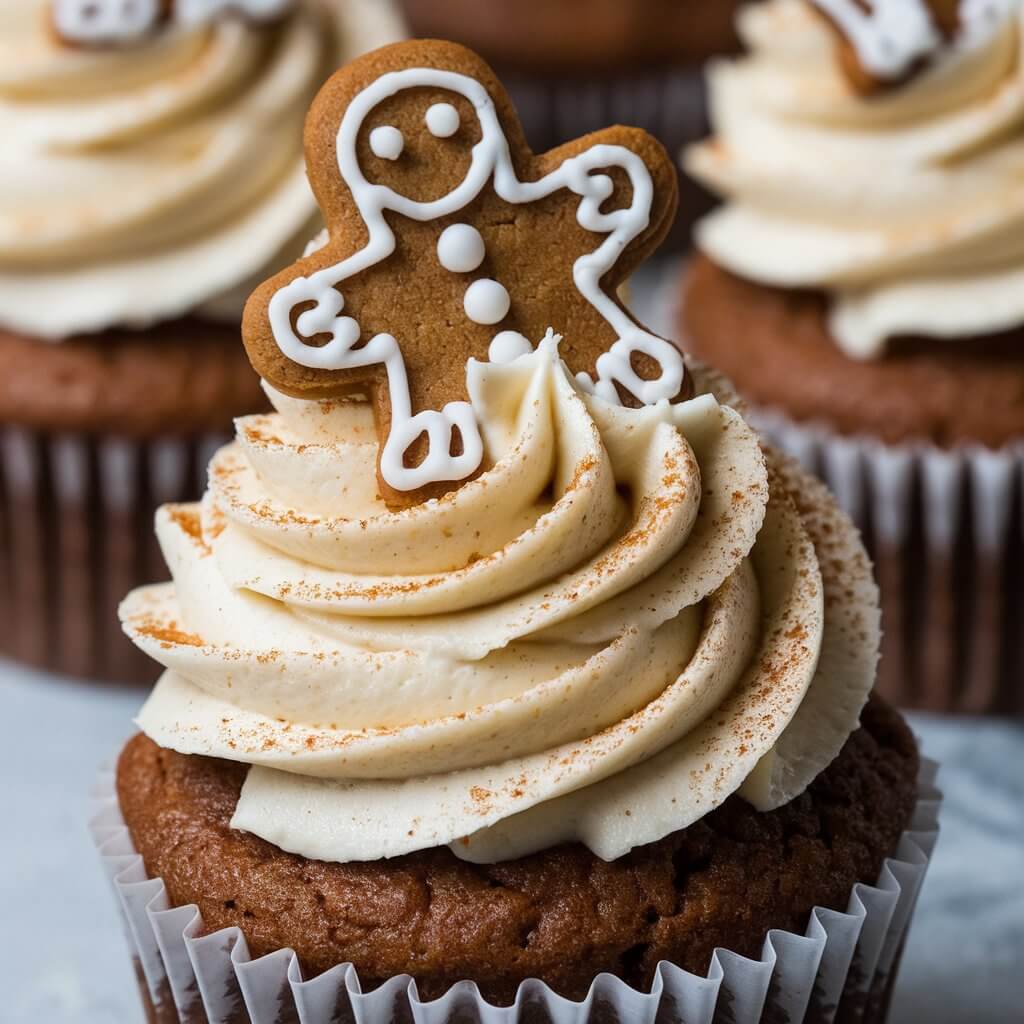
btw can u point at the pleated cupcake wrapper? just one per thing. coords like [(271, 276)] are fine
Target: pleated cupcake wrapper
[(670, 103), (840, 969), (76, 534), (945, 530)]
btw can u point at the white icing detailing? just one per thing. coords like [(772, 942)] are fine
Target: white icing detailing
[(442, 120), (508, 346), (118, 21), (460, 248), (386, 142), (889, 37), (195, 12), (980, 19), (892, 34), (490, 159), (486, 301), (95, 21)]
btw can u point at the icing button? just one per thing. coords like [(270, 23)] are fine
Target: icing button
[(486, 301), (387, 142), (442, 120), (460, 248), (508, 346)]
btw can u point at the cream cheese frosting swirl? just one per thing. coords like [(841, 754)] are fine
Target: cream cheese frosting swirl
[(906, 207), (626, 617), (144, 182)]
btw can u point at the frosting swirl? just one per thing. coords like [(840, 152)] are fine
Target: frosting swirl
[(621, 621), (145, 182), (906, 206)]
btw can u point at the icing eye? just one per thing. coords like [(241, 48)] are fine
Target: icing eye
[(442, 120), (386, 142), (460, 248), (486, 301)]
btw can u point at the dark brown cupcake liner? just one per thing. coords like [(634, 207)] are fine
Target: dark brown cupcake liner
[(76, 534), (946, 531), (840, 971), (670, 103)]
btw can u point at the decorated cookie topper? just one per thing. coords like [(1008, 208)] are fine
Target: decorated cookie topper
[(105, 22), (884, 42), (448, 239)]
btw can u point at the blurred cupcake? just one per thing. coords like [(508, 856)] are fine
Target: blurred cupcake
[(864, 288), (574, 67), (142, 187), (595, 718)]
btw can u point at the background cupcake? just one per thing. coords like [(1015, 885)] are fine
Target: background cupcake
[(862, 286), (142, 187), (573, 67)]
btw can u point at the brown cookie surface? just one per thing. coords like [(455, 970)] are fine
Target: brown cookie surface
[(562, 915), (775, 346), (445, 231)]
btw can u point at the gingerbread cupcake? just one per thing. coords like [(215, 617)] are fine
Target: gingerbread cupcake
[(578, 65), (862, 288), (152, 172), (503, 666)]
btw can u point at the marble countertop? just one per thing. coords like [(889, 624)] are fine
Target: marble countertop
[(64, 960)]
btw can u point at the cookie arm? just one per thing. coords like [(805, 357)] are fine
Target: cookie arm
[(664, 199)]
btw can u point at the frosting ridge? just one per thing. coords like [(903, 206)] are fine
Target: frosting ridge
[(146, 182), (611, 629)]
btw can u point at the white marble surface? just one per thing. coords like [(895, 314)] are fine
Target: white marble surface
[(63, 960)]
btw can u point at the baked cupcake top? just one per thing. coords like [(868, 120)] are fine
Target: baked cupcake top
[(625, 613), (902, 201), (146, 180)]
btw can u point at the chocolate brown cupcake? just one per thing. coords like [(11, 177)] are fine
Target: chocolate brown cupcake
[(861, 288), (596, 716), (149, 182), (97, 433), (562, 915)]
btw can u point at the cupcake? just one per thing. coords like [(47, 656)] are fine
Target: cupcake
[(861, 288), (145, 187), (571, 705), (573, 67)]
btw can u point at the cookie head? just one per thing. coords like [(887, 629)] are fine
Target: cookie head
[(449, 240), (418, 147)]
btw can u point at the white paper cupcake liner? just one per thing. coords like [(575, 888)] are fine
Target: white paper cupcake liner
[(840, 969), (76, 534), (945, 530)]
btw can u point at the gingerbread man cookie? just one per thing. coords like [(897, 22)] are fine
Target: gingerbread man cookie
[(883, 43), (448, 239), (106, 22)]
